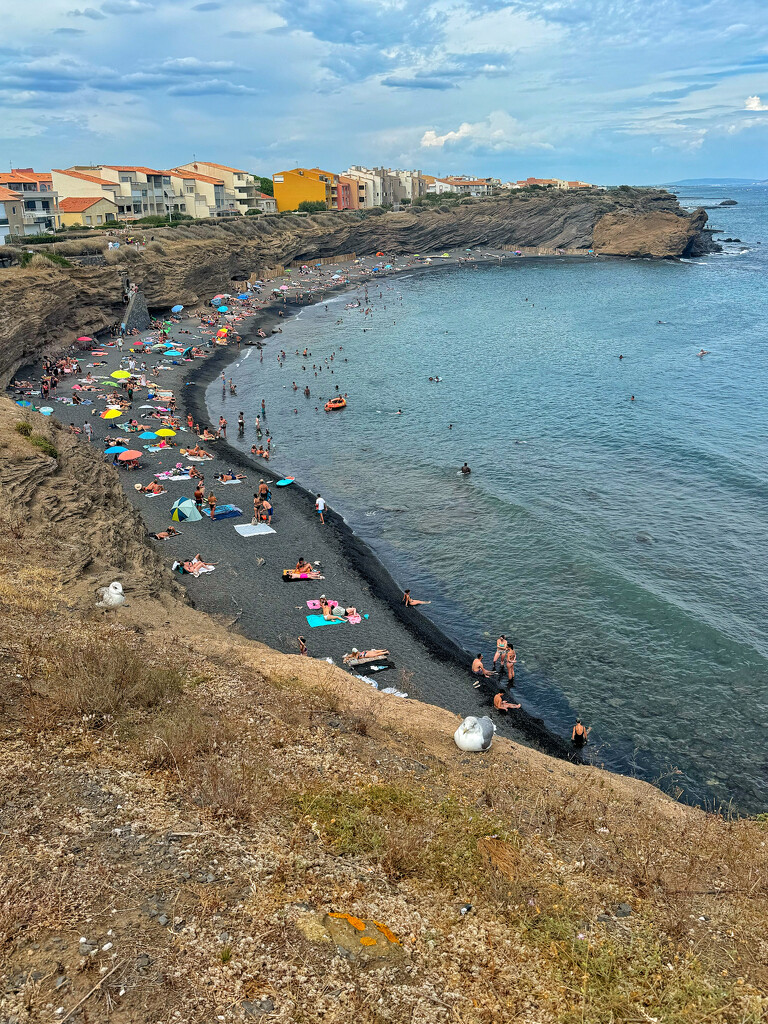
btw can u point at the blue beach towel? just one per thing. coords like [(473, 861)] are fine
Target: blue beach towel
[(224, 512), (318, 620)]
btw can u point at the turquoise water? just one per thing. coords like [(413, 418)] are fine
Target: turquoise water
[(621, 545)]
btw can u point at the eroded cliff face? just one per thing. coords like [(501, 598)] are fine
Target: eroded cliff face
[(47, 306)]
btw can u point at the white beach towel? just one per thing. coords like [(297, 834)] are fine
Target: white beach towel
[(253, 529)]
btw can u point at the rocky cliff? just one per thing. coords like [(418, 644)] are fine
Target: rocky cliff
[(45, 305)]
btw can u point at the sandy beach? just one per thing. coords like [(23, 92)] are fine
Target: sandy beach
[(246, 589)]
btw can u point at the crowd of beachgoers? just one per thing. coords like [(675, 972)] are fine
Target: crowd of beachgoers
[(124, 392)]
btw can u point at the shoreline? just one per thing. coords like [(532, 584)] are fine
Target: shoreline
[(362, 561)]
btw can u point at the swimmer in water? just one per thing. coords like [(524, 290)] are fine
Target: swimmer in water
[(632, 398), (465, 469), (702, 353)]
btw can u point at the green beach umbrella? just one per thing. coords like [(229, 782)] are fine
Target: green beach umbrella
[(185, 511)]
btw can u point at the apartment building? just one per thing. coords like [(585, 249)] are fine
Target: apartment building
[(304, 184), (202, 195), (123, 188), (239, 183), (40, 203)]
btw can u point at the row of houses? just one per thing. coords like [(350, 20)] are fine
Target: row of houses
[(359, 187), (92, 195)]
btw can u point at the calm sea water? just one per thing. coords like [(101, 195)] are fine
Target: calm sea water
[(622, 545)]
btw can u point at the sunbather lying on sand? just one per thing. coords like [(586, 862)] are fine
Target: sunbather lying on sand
[(328, 613), (195, 566), (228, 475), (153, 488), (306, 574), (167, 534), (199, 453), (359, 657), (207, 435)]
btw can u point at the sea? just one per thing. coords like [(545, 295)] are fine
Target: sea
[(615, 522)]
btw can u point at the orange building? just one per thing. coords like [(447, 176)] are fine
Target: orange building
[(304, 184)]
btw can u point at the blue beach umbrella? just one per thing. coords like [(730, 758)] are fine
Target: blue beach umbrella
[(174, 353), (115, 449), (176, 309), (244, 295), (148, 435), (46, 410), (223, 309), (24, 403), (185, 511)]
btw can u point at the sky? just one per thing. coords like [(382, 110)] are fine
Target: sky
[(608, 91)]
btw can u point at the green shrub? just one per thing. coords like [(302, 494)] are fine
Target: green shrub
[(44, 445), (23, 428), (312, 206)]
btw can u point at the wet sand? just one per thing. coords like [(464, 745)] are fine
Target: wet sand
[(247, 590)]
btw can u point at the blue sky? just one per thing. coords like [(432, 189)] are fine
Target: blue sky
[(610, 91)]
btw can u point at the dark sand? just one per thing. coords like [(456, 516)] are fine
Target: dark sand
[(247, 589)]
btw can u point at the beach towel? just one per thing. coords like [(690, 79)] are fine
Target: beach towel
[(224, 512), (291, 576), (318, 620), (165, 477), (148, 494), (225, 482), (253, 529), (316, 604), (197, 458)]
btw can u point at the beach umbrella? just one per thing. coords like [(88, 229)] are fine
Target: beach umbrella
[(244, 295), (185, 511), (111, 414), (226, 295), (128, 455), (174, 353), (110, 384), (24, 403), (146, 407), (223, 309), (176, 309), (46, 410), (387, 266), (115, 449), (85, 338), (120, 374), (336, 277), (148, 435), (283, 287), (165, 432)]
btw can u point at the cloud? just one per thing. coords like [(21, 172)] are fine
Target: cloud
[(194, 66), (125, 7), (211, 87), (208, 6), (499, 132), (69, 32), (755, 103), (426, 82), (87, 12)]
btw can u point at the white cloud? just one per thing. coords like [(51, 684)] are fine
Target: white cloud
[(500, 131), (755, 103)]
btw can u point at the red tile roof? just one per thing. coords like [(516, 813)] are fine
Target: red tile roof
[(77, 204), (221, 167), (143, 170), (6, 193), (18, 175), (83, 177), (183, 172)]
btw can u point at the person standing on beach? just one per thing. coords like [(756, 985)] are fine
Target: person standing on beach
[(241, 425), (580, 735), (509, 660), (199, 495), (263, 408), (222, 427), (212, 504), (320, 508)]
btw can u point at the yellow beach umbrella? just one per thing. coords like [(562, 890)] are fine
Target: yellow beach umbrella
[(111, 414), (120, 374), (165, 432)]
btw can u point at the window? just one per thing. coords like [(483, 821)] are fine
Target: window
[(99, 218), (88, 220), (125, 177), (190, 190)]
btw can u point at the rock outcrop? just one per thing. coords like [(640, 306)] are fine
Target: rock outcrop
[(46, 306)]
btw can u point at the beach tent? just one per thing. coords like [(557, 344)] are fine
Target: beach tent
[(185, 511)]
